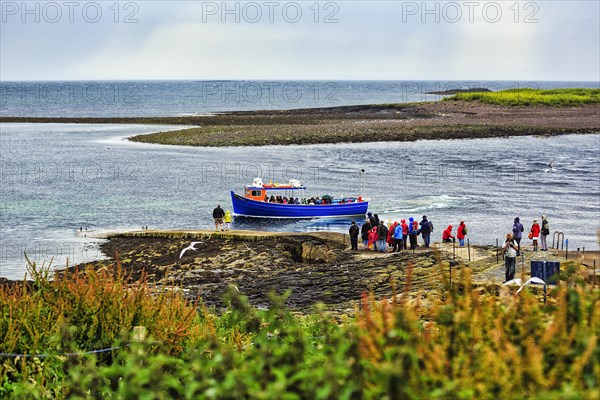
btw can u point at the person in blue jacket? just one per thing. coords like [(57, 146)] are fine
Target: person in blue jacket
[(413, 232), (398, 238)]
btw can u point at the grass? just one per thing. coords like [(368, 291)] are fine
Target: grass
[(528, 97), (460, 343)]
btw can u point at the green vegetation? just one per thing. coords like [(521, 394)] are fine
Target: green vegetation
[(527, 97), (463, 342)]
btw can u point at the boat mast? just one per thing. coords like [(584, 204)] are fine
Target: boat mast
[(361, 182)]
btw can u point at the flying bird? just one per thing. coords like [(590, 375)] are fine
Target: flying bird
[(530, 281), (551, 166), (190, 247), (516, 281), (521, 285)]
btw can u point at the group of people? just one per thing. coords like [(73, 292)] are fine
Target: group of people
[(398, 235), (222, 219), (281, 200), (512, 245), (461, 232), (310, 201)]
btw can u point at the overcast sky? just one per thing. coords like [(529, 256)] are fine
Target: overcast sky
[(477, 40)]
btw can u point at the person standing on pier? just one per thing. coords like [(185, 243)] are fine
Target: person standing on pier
[(218, 215), (373, 237), (544, 233), (510, 249), (227, 220), (517, 233), (413, 232), (461, 232), (398, 238), (535, 233), (382, 233), (372, 221), (353, 231), (364, 233), (426, 229), (404, 233)]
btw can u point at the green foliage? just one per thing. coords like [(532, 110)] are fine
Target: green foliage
[(460, 343), (526, 97)]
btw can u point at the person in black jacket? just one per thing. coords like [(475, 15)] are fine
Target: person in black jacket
[(382, 233), (218, 215), (372, 220), (353, 231), (364, 233), (426, 229), (545, 232)]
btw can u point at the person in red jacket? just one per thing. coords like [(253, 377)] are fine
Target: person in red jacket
[(447, 235), (534, 234), (404, 226), (390, 238), (461, 232), (373, 238)]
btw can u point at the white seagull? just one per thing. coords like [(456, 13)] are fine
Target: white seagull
[(521, 285), (551, 165), (530, 281), (516, 281), (190, 247)]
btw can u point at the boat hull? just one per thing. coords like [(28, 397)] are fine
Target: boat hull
[(253, 208)]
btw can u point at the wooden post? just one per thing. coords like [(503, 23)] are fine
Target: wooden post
[(567, 249), (497, 253), (454, 249), (469, 248)]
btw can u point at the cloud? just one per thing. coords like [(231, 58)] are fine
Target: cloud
[(375, 40)]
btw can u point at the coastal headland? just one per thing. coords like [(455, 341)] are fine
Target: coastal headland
[(457, 119)]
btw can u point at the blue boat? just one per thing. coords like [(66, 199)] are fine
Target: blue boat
[(254, 203)]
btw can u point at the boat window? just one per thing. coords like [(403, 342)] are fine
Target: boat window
[(256, 193)]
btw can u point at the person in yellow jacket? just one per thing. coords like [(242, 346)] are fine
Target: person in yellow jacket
[(227, 220)]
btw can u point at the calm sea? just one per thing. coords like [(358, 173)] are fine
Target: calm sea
[(58, 178), (172, 98)]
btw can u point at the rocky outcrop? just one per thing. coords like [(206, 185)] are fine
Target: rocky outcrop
[(316, 251)]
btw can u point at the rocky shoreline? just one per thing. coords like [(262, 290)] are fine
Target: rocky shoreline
[(361, 123), (314, 267)]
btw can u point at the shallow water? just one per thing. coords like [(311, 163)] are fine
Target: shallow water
[(101, 181)]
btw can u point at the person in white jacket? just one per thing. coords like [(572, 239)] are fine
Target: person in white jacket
[(510, 249)]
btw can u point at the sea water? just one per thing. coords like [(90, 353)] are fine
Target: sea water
[(175, 98), (62, 182)]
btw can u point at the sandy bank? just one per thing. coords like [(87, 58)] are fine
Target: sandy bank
[(364, 123)]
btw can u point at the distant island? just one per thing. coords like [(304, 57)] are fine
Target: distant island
[(456, 91), (467, 115)]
